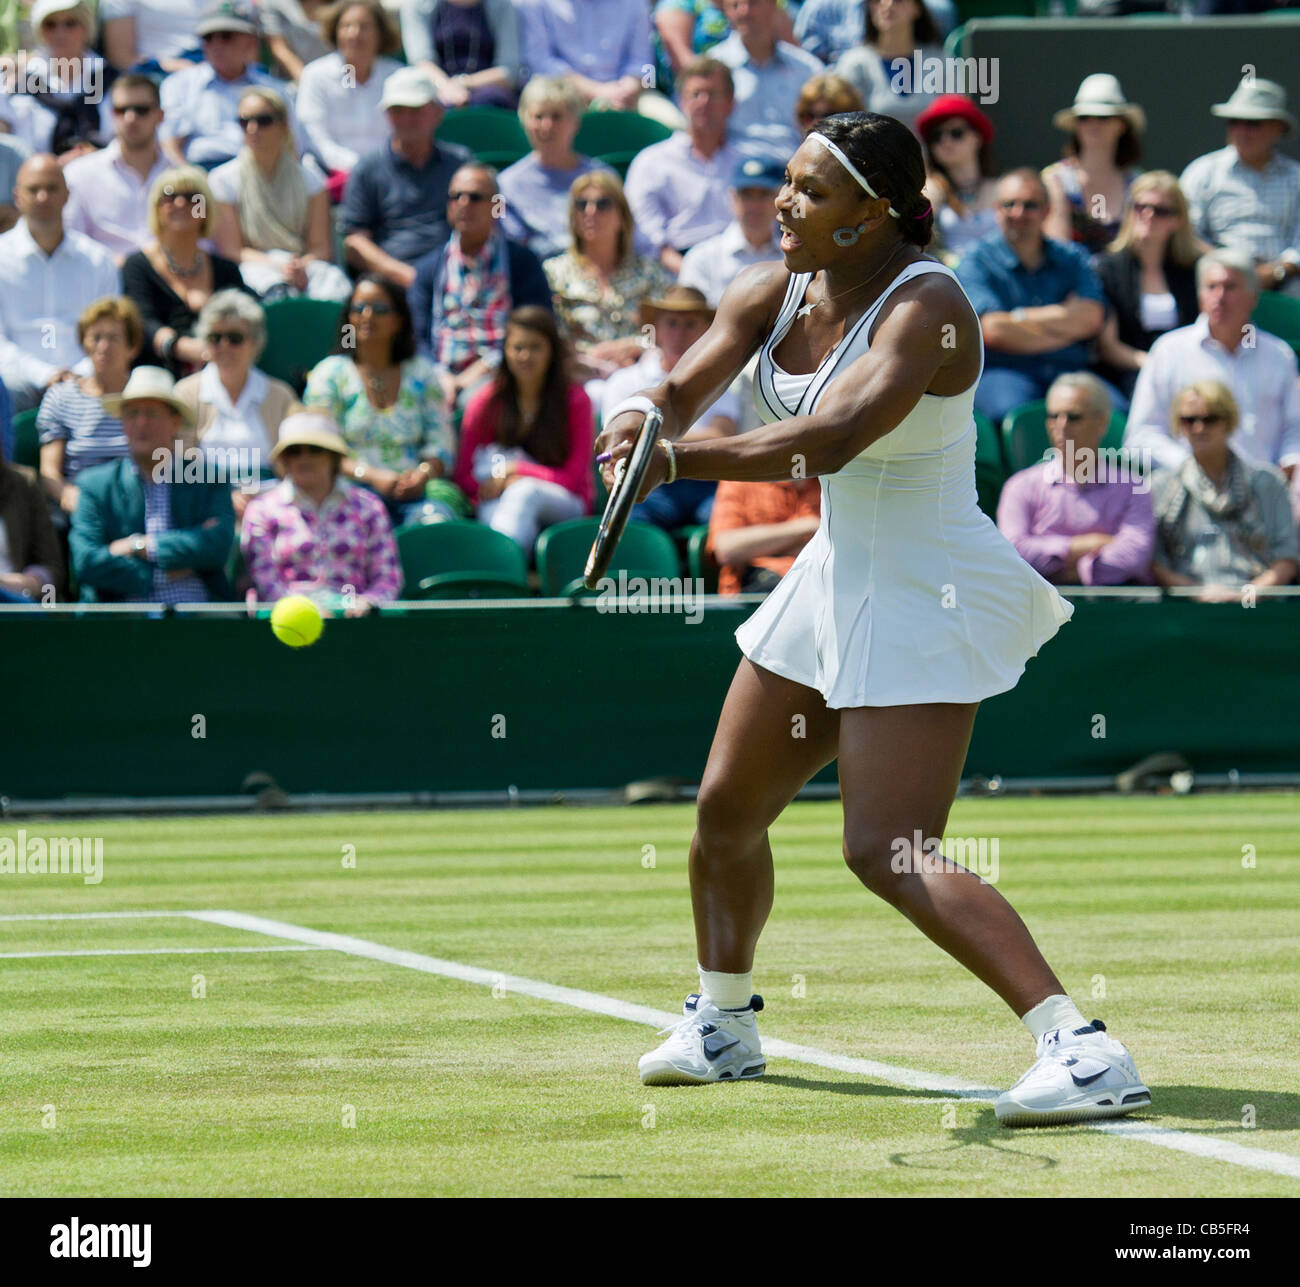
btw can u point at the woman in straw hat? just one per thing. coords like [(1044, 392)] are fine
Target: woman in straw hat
[(318, 533), (1086, 189)]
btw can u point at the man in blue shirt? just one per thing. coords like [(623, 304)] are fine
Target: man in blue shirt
[(394, 209), (1038, 300)]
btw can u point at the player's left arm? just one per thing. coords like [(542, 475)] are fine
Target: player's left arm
[(922, 331)]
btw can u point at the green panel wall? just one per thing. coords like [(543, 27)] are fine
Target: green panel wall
[(107, 704)]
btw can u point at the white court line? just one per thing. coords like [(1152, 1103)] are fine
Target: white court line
[(1218, 1150), (158, 951)]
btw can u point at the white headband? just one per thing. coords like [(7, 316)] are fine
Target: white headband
[(850, 167)]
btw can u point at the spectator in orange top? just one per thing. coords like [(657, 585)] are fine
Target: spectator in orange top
[(756, 530)]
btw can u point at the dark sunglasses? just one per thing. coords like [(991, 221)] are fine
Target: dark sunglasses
[(220, 37), (954, 132), (170, 198), (1073, 417), (1027, 206), (1146, 207), (472, 197), (235, 338), (61, 22), (594, 203), (299, 447), (263, 120), (379, 310), (1188, 421), (133, 109)]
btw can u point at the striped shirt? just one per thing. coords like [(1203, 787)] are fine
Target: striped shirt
[(1255, 211), (157, 520), (70, 415)]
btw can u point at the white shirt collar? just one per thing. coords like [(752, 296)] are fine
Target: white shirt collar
[(212, 390)]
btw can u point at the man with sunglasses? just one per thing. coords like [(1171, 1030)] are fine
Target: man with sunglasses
[(1038, 300), (200, 123), (108, 191), (1072, 520), (464, 292)]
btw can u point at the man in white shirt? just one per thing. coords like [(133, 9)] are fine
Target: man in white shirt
[(678, 319), (1222, 344), (751, 237), (49, 276), (108, 191), (677, 189)]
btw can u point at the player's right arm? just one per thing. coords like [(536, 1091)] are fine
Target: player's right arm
[(744, 318)]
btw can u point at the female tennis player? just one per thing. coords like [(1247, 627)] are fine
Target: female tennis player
[(904, 611)]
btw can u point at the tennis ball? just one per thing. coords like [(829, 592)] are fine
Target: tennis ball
[(296, 621)]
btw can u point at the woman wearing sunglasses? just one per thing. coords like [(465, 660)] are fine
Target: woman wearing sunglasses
[(316, 533), (599, 282), (1149, 275), (389, 405), (961, 183), (273, 214), (237, 408), (172, 277), (1222, 522)]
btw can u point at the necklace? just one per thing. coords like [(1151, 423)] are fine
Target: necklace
[(826, 299), (192, 271)]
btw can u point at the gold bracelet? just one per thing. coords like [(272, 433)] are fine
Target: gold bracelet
[(672, 461)]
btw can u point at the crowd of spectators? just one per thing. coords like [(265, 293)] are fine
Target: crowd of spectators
[(240, 153)]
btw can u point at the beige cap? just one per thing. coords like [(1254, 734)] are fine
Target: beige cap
[(152, 384), (308, 429)]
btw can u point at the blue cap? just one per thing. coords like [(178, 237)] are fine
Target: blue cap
[(758, 172)]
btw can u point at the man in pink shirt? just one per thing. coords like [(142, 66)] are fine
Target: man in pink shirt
[(1080, 517)]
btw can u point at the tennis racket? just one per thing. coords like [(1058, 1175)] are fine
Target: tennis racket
[(630, 473)]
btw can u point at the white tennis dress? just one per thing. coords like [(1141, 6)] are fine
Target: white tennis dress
[(907, 592)]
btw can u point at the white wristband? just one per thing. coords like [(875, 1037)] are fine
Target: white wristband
[(638, 403)]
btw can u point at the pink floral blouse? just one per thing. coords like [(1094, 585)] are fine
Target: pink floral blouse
[(291, 547)]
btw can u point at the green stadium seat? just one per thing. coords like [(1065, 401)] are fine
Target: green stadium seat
[(1279, 315), (27, 442), (299, 332), (494, 135), (699, 561), (562, 551), (616, 137), (968, 9), (990, 468), (1024, 435), (460, 560)]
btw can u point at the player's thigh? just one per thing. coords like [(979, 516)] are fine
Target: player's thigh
[(773, 735), (900, 767)]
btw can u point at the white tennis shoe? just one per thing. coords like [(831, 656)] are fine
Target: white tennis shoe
[(707, 1045), (1080, 1075)]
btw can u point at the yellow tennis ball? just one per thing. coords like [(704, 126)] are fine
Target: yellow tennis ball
[(296, 621)]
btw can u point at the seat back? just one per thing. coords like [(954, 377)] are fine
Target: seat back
[(562, 551), (616, 137), (27, 442), (493, 134), (458, 546), (299, 333), (1279, 315)]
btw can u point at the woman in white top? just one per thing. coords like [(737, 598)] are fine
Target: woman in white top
[(65, 105), (273, 215), (338, 96), (237, 409), (904, 611)]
